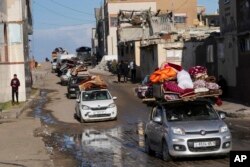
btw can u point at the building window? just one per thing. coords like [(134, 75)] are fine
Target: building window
[(220, 51), (226, 1), (1, 34), (210, 54), (15, 33), (245, 45), (180, 17), (113, 21)]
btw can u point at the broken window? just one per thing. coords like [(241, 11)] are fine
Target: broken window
[(15, 36)]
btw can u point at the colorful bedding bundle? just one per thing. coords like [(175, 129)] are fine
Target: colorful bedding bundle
[(180, 84)]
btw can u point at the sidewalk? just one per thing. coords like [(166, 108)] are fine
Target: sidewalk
[(18, 144), (234, 109)]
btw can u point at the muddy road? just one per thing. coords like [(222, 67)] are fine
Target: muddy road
[(111, 143)]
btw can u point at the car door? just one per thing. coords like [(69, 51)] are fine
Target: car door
[(78, 104), (157, 128)]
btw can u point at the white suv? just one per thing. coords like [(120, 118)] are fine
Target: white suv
[(95, 105)]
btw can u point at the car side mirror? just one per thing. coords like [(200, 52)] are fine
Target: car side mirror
[(157, 120), (78, 100), (114, 98), (222, 114)]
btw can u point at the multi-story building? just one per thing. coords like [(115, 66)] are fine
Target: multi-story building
[(234, 47), (15, 28), (243, 32), (227, 44)]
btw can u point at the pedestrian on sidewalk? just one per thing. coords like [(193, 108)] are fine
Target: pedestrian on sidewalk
[(119, 69), (15, 83), (125, 71), (132, 67)]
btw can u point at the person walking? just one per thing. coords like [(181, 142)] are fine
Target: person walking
[(133, 70), (15, 83), (125, 71), (119, 70)]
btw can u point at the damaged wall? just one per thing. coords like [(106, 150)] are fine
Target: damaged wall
[(132, 33)]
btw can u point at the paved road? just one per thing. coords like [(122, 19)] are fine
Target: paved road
[(112, 143)]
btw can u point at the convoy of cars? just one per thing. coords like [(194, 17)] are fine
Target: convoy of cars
[(92, 104), (176, 128)]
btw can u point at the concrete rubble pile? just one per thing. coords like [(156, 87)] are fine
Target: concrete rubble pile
[(103, 65)]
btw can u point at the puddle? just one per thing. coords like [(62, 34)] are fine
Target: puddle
[(38, 111), (113, 147)]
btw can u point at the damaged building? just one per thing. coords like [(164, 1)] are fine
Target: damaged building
[(151, 38)]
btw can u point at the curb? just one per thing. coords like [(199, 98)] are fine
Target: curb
[(15, 113)]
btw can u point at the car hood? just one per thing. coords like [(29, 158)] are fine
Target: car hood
[(191, 126), (97, 103)]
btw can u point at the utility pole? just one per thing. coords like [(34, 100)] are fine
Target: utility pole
[(104, 28)]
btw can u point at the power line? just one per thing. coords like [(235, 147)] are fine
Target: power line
[(52, 11), (71, 8), (51, 24)]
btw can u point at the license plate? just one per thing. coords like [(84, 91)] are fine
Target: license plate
[(99, 112), (204, 144)]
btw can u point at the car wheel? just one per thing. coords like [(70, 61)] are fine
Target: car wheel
[(165, 151), (81, 119), (147, 147), (69, 96)]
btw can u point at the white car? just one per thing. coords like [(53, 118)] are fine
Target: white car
[(95, 105), (53, 63), (65, 77)]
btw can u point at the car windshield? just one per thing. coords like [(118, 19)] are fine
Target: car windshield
[(95, 95), (190, 112)]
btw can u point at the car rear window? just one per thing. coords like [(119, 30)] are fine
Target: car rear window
[(95, 95), (190, 112)]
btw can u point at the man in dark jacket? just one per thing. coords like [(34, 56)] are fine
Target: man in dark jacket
[(119, 70), (15, 83), (125, 71)]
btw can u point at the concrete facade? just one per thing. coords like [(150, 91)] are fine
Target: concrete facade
[(15, 26), (154, 54), (180, 8), (243, 35)]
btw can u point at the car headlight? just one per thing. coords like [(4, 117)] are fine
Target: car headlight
[(85, 107), (223, 129), (72, 89), (178, 131), (112, 105)]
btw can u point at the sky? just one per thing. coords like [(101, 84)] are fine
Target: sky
[(68, 24)]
